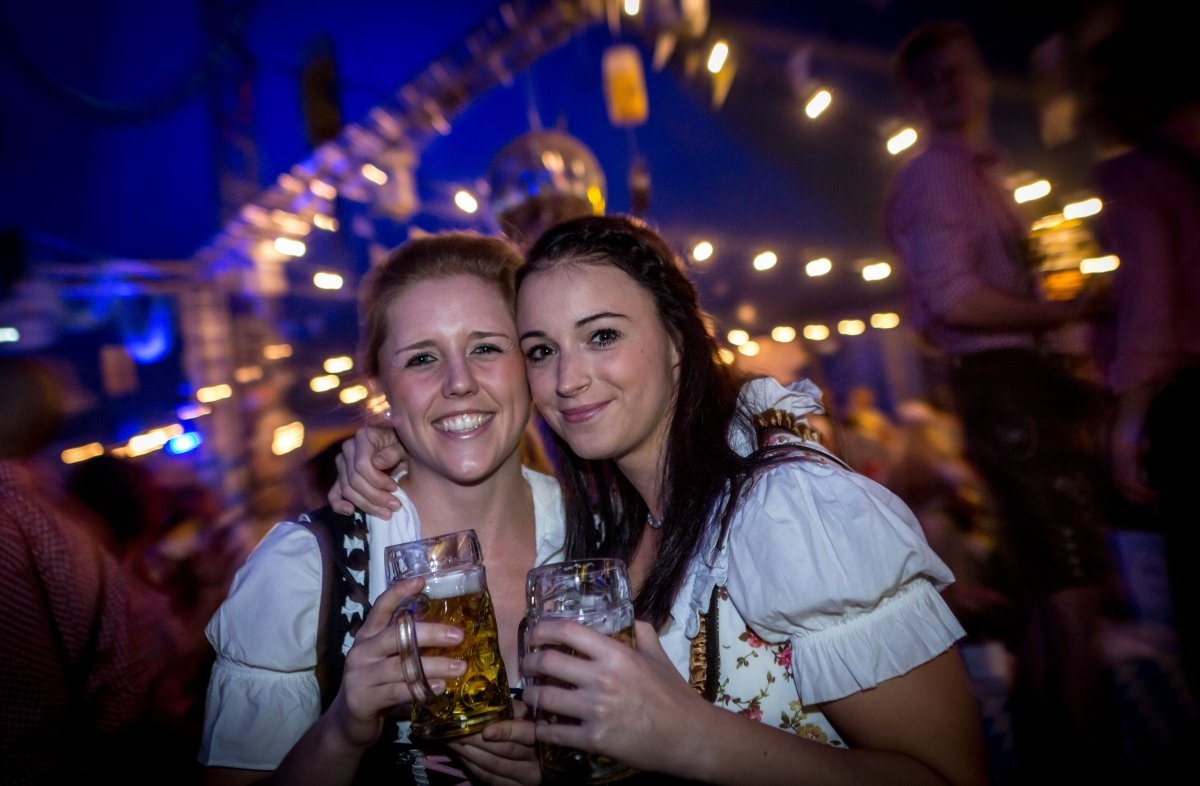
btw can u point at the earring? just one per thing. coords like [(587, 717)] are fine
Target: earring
[(387, 413)]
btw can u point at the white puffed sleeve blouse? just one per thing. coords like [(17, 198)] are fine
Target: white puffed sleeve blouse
[(832, 562), (263, 692)]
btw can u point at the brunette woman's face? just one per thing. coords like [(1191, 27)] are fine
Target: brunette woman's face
[(452, 371), (601, 365)]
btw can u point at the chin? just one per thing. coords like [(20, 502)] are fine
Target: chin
[(469, 476), (471, 470), (590, 451)]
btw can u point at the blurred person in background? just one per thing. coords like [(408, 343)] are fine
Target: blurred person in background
[(976, 299), (869, 437), (72, 674), (179, 562), (1151, 220), (952, 503)]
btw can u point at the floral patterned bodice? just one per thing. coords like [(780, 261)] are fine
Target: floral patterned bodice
[(756, 680)]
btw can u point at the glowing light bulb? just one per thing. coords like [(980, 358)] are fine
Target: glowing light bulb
[(765, 261), (818, 267), (901, 140), (818, 103), (716, 58)]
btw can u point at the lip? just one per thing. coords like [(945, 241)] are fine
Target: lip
[(582, 414)]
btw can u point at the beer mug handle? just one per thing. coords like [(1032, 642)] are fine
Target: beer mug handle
[(408, 650), (522, 630)]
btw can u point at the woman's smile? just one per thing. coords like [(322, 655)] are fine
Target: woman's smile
[(582, 414), (465, 423)]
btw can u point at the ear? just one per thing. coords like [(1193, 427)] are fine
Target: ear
[(377, 401)]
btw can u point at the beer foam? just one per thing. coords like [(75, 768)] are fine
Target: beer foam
[(593, 611), (451, 585)]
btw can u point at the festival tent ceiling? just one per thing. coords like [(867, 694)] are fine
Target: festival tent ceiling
[(150, 145)]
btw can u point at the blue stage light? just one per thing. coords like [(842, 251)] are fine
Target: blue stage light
[(189, 440)]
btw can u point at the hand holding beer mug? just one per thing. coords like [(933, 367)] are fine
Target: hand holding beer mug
[(594, 593), (455, 594)]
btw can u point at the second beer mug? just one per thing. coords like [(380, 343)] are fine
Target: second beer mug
[(455, 594), (594, 593)]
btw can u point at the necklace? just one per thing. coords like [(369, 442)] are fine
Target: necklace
[(654, 522)]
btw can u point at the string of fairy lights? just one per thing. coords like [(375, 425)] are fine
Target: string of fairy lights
[(374, 162)]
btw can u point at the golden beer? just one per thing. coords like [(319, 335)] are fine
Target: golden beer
[(480, 696), (455, 593)]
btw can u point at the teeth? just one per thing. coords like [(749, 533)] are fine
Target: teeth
[(459, 424)]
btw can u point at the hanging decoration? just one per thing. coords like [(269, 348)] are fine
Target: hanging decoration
[(624, 86), (366, 157), (541, 178)]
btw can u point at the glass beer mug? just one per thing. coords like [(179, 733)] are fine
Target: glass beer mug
[(594, 593), (455, 594)]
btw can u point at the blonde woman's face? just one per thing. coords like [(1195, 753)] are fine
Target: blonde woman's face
[(452, 371)]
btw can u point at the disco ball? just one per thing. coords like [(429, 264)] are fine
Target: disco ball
[(541, 178)]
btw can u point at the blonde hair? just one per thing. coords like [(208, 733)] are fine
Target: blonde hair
[(489, 259)]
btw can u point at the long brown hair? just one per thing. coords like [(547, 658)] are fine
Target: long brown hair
[(605, 514)]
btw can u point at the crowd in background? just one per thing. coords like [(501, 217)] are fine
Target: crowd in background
[(118, 572)]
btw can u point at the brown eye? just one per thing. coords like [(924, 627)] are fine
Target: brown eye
[(604, 336)]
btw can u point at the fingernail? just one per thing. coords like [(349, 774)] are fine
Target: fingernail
[(454, 634), (437, 686), (394, 504), (458, 666)]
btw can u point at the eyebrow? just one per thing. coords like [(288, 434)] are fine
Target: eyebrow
[(578, 323)]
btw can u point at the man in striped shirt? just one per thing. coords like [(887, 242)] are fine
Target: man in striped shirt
[(975, 299)]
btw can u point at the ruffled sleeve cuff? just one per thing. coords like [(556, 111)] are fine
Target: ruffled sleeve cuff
[(908, 629), (255, 715), (263, 692)]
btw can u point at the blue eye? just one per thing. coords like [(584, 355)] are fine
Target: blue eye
[(487, 349), (538, 353), (422, 359)]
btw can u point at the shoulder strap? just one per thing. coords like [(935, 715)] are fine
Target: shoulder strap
[(333, 531), (338, 537), (317, 523), (704, 659)]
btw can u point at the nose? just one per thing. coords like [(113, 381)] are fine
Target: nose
[(572, 375), (460, 378)]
